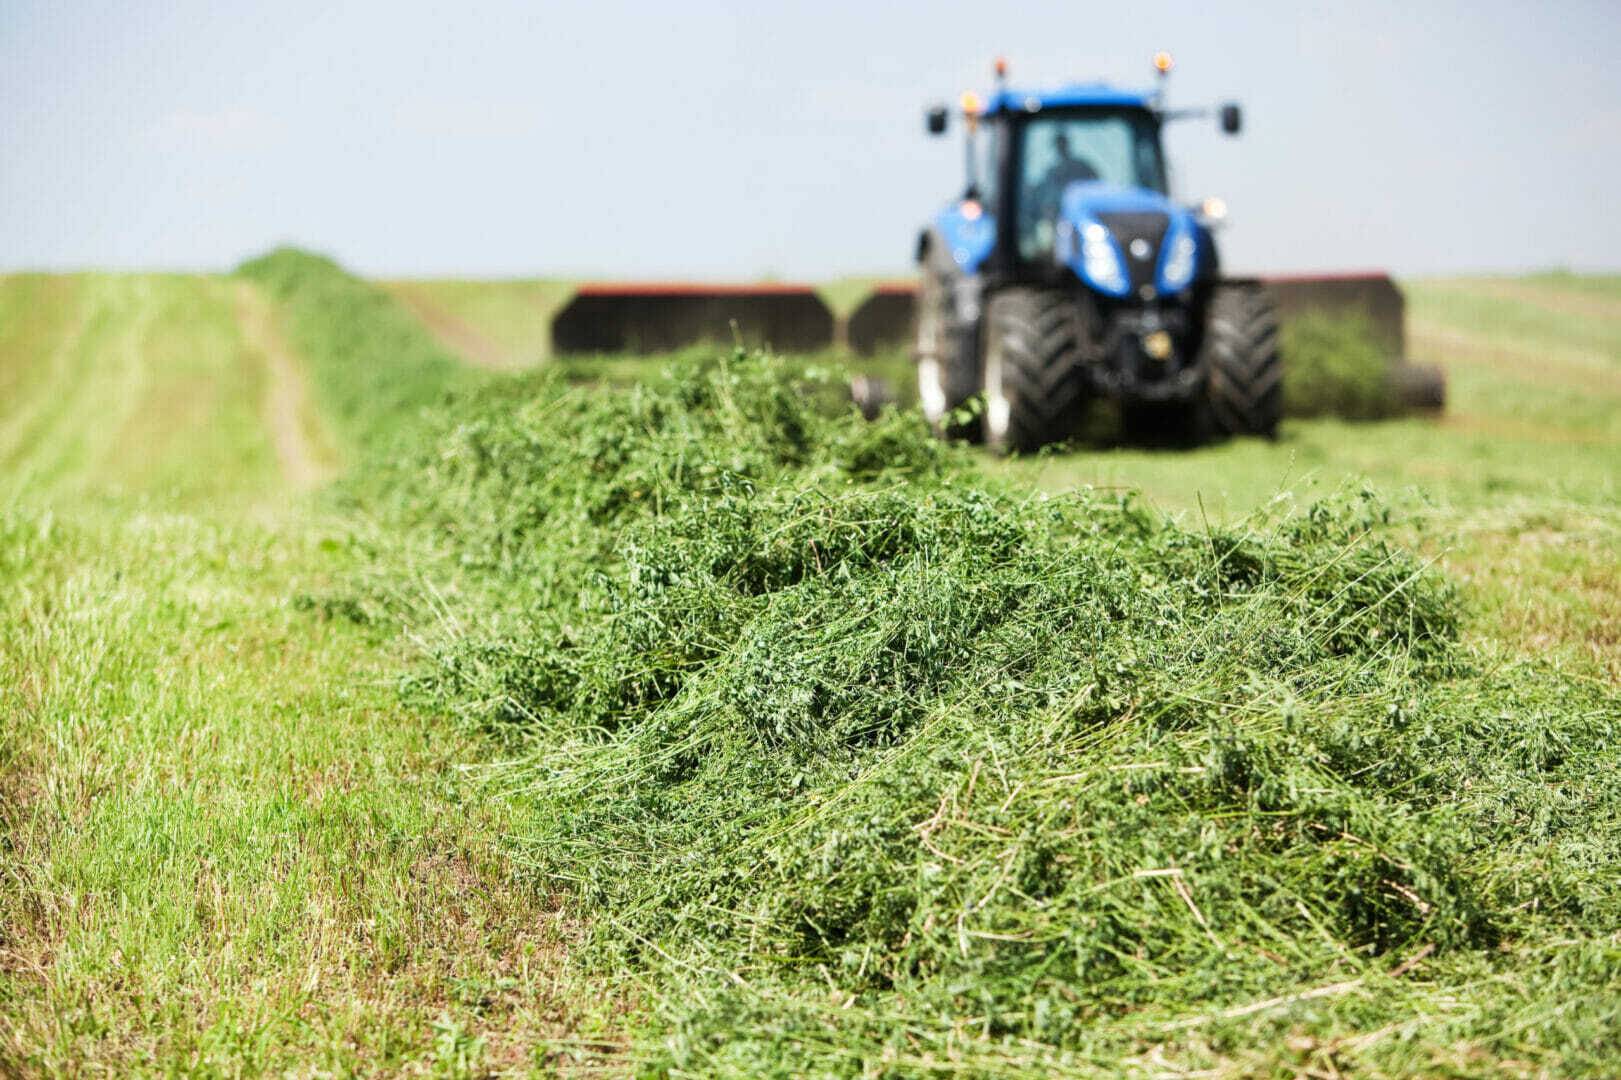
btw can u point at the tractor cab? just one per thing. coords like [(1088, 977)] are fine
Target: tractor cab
[(1103, 150), (1038, 161), (1067, 198)]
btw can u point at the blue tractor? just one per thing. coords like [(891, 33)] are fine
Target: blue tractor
[(1065, 273)]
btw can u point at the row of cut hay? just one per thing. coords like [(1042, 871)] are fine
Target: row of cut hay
[(372, 366), (858, 763), (1333, 366)]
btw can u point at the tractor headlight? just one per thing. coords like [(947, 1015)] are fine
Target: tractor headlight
[(1100, 262), (1181, 255)]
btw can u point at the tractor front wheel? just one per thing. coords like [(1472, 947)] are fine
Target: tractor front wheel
[(1034, 376), (947, 373), (1243, 374)]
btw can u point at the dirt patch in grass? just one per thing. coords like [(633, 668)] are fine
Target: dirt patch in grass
[(497, 959)]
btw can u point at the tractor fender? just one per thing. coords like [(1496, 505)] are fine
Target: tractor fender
[(1210, 265)]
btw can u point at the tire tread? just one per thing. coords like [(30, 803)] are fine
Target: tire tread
[(1244, 374), (1043, 338)]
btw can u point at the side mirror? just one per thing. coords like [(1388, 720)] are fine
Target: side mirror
[(935, 119), (1232, 118)]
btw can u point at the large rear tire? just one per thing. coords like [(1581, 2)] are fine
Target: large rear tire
[(1034, 370), (1243, 374), (947, 372)]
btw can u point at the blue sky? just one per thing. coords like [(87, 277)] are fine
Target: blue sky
[(713, 139)]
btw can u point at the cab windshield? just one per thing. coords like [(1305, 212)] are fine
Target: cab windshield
[(1058, 148)]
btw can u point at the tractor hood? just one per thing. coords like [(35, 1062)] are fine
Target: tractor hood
[(1127, 241)]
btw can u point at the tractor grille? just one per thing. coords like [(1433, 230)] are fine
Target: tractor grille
[(1148, 227)]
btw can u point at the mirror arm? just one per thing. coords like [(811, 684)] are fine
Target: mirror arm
[(1202, 112)]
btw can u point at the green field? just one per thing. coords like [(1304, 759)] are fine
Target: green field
[(227, 849), (266, 607), (502, 325)]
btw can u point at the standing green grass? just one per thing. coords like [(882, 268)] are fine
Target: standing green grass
[(227, 849), (129, 384)]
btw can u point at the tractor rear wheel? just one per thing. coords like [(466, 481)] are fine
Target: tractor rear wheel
[(947, 373), (1034, 373), (1243, 374)]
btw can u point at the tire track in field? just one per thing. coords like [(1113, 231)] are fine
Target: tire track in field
[(1553, 299), (1556, 367), (305, 457), (451, 332)]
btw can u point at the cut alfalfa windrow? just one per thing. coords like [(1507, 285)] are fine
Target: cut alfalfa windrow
[(858, 763)]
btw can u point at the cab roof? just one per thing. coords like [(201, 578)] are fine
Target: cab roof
[(1075, 94)]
